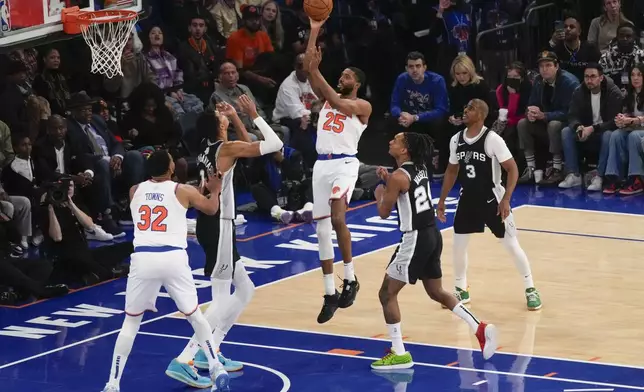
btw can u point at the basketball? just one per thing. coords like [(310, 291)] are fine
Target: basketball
[(318, 9)]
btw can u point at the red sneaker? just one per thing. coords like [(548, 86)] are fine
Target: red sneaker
[(486, 334), (611, 189), (634, 187)]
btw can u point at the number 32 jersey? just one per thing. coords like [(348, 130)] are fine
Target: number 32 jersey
[(338, 133), (479, 164), (158, 216), (415, 209)]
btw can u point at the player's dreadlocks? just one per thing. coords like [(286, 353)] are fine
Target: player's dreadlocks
[(420, 148)]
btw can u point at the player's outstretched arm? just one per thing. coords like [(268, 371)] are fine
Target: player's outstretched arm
[(229, 111), (269, 145), (386, 195)]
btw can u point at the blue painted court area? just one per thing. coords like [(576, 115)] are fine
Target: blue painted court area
[(66, 344)]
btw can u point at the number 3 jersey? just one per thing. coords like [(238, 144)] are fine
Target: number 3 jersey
[(158, 216), (479, 161), (338, 133), (415, 209)]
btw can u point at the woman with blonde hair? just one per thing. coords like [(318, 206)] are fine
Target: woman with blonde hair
[(466, 85), (272, 23), (603, 29)]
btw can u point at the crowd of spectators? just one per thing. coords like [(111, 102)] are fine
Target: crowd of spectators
[(578, 122)]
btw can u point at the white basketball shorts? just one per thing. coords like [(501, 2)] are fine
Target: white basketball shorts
[(333, 179)]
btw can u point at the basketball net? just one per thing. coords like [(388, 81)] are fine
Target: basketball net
[(106, 39)]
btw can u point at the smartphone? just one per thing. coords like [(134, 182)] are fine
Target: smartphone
[(560, 26)]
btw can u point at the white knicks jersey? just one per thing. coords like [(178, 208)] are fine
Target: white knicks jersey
[(158, 216), (337, 132)]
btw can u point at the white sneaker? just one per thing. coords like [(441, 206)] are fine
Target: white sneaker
[(24, 244), (97, 233), (220, 379), (572, 180), (37, 240), (111, 388), (596, 184)]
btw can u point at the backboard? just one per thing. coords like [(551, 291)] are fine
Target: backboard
[(27, 20)]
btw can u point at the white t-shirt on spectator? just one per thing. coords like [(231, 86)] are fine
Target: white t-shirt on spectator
[(595, 102), (294, 99)]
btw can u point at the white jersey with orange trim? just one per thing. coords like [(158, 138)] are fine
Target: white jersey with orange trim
[(338, 133), (159, 218)]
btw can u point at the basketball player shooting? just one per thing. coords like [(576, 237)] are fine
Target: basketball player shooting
[(216, 234), (160, 259), (418, 254), (476, 157), (342, 120)]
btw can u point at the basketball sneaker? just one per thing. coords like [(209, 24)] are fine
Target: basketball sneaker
[(220, 379), (349, 292), (201, 362), (463, 296), (486, 334), (392, 361), (329, 307), (533, 298), (187, 374), (111, 388)]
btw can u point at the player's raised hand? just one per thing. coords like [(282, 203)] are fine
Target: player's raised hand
[(382, 173), (440, 211), (315, 58), (226, 109), (247, 106), (317, 24)]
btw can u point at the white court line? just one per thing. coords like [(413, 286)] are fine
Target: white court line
[(479, 382), (286, 382), (432, 365), (590, 390), (582, 210)]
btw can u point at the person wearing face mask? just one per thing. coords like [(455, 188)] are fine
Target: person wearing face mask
[(622, 55)]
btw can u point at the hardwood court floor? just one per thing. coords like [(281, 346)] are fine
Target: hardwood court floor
[(589, 286)]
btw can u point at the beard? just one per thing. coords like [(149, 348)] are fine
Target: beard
[(344, 90)]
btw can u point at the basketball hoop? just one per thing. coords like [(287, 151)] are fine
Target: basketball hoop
[(106, 32)]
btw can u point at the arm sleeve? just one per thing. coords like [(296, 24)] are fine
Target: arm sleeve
[(271, 142)]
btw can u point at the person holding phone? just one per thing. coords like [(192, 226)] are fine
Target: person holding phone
[(573, 53)]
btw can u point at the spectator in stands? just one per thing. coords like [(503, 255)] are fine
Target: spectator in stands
[(272, 23), (296, 34), (51, 83), (625, 150), (94, 147), (167, 75), (21, 219), (197, 58), (622, 56), (547, 111), (573, 53), (28, 57), (187, 12), (295, 98), (151, 126), (135, 71), (226, 14), (6, 147), (466, 85), (593, 109), (513, 95), (450, 31), (66, 244), (18, 111), (229, 90), (603, 29), (420, 103)]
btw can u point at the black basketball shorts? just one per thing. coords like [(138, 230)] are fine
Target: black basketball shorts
[(217, 238), (418, 256), (472, 217)]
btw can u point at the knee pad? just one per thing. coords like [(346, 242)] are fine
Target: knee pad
[(324, 231), (244, 286)]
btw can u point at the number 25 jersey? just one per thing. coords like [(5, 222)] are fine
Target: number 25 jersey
[(158, 216), (479, 159), (338, 133)]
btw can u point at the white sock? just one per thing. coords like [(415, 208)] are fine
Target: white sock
[(512, 245), (189, 352), (461, 311), (400, 387), (349, 273), (123, 347), (217, 337), (395, 333), (307, 207), (202, 330), (329, 286), (460, 260)]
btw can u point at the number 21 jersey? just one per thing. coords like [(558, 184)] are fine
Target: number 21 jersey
[(338, 133), (415, 209)]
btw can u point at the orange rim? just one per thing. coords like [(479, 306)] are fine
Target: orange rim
[(75, 20)]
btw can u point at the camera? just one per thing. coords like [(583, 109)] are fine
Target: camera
[(57, 191)]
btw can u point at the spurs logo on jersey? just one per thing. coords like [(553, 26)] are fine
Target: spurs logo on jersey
[(338, 133), (415, 209), (207, 163), (479, 173), (159, 218)]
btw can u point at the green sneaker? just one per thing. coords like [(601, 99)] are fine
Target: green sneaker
[(393, 361), (461, 295), (533, 298)]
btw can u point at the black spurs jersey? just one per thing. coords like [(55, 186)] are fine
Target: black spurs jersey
[(479, 173), (415, 209), (207, 163)]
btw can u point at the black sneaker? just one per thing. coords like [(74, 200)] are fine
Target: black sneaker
[(329, 307), (8, 298), (109, 225), (349, 292), (56, 290)]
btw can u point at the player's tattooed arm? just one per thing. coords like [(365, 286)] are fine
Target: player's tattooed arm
[(386, 195)]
